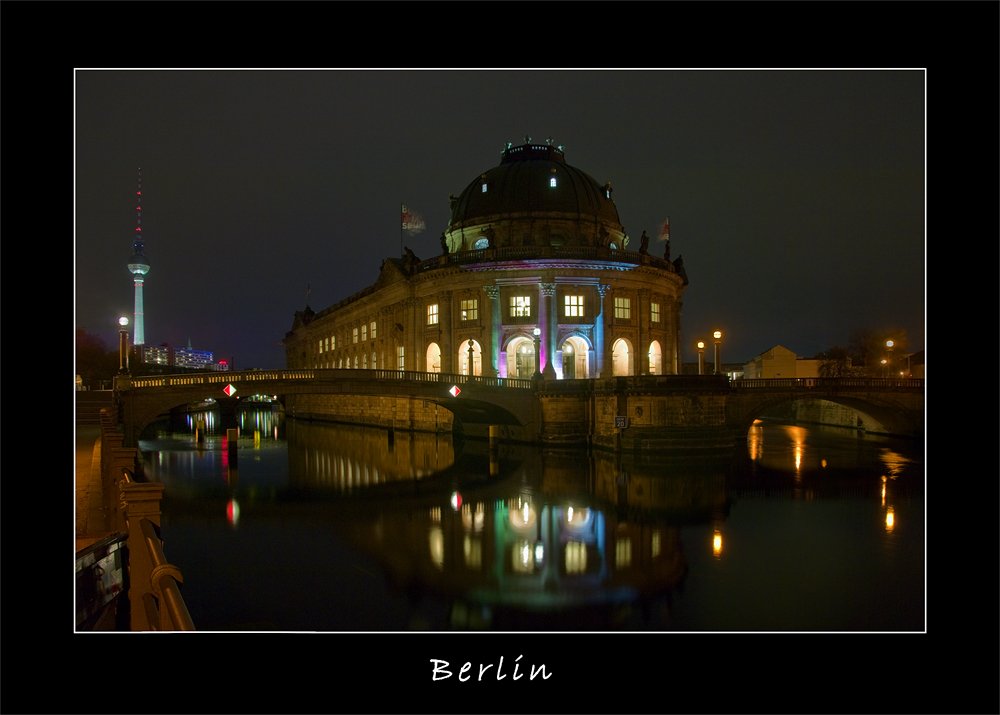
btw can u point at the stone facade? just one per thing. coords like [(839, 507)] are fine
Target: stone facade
[(532, 244)]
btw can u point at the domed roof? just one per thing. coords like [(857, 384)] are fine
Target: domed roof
[(532, 178)]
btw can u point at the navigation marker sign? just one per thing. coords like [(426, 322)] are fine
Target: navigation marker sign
[(454, 391), (229, 390)]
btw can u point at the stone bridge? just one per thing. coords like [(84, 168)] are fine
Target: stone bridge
[(640, 413)]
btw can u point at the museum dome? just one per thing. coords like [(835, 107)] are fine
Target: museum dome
[(532, 179)]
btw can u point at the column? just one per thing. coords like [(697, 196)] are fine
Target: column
[(490, 366), (549, 325), (449, 364), (599, 346), (642, 364)]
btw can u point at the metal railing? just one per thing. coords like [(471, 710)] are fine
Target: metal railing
[(165, 607)]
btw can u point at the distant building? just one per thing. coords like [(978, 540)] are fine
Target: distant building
[(780, 362), (733, 370), (163, 358)]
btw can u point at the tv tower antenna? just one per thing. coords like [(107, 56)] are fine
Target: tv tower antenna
[(138, 265)]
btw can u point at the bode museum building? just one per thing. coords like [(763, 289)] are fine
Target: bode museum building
[(535, 272)]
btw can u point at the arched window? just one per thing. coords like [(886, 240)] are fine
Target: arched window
[(481, 243)]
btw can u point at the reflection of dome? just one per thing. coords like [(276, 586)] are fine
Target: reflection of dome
[(533, 198)]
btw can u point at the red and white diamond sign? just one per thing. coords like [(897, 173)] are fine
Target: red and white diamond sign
[(229, 390), (454, 391)]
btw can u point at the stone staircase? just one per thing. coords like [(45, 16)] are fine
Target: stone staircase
[(89, 404)]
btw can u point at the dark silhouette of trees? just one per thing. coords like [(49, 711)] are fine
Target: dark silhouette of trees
[(95, 363)]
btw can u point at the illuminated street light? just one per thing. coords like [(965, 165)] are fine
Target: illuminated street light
[(718, 351), (123, 346), (701, 357), (888, 361)]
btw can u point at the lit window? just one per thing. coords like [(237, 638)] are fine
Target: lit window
[(333, 342), (481, 243), (520, 306), (373, 361), (470, 309), (355, 335), (552, 181), (321, 346), (622, 308), (654, 312), (432, 314), (374, 323), (355, 362), (484, 187), (364, 333), (364, 362), (574, 306), (399, 358)]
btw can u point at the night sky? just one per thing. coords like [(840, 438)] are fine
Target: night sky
[(795, 197)]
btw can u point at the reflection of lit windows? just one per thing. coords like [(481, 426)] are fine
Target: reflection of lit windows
[(622, 308), (520, 306), (473, 549), (623, 553), (435, 513), (574, 306), (656, 544), (522, 557), (436, 539), (470, 309), (576, 557), (432, 314), (473, 521)]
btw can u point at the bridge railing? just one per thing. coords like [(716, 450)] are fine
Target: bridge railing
[(328, 373), (828, 382)]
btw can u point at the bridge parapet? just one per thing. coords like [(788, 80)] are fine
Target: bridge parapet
[(187, 380), (828, 383)]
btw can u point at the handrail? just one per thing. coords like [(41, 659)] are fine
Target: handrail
[(172, 614), (330, 373)]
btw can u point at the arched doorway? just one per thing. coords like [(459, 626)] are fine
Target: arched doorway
[(621, 358), (521, 358), (433, 358), (477, 358), (574, 358), (655, 358)]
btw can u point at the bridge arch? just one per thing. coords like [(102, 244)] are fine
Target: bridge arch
[(882, 413)]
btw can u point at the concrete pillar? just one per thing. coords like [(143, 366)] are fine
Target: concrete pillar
[(142, 500)]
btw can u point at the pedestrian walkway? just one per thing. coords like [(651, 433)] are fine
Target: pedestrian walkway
[(90, 517)]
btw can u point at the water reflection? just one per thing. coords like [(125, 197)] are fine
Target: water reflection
[(521, 538)]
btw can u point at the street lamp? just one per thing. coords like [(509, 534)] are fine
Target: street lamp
[(888, 346), (538, 353), (701, 357), (123, 346), (718, 350)]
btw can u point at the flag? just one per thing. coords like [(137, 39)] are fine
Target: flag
[(665, 230), (413, 223)]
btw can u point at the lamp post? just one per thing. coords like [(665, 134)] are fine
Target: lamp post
[(888, 364), (701, 357), (123, 346), (538, 353), (718, 350)]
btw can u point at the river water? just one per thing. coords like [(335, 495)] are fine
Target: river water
[(313, 526)]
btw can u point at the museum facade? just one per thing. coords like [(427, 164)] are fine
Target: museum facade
[(536, 274)]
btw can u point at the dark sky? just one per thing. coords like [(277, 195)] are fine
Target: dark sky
[(795, 197)]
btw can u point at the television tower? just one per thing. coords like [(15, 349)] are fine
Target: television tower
[(138, 266)]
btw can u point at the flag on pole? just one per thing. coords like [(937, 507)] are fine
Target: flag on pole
[(413, 223), (665, 230)]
